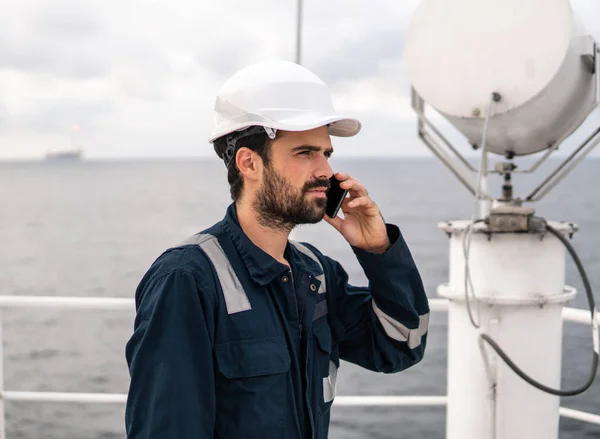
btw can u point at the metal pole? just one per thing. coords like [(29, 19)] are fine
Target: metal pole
[(558, 174), (530, 268), (418, 104), (299, 33), (484, 205), (2, 417), (597, 71), (544, 157), (98, 303), (436, 150), (483, 201), (390, 401)]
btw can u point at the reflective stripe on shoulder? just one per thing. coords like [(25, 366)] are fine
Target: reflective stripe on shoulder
[(198, 239), (308, 252), (236, 299), (398, 331)]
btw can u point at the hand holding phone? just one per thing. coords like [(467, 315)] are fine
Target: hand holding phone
[(335, 197)]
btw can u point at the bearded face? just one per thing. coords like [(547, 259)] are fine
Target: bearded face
[(280, 205)]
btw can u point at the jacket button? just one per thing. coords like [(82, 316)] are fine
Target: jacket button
[(284, 279), (313, 287)]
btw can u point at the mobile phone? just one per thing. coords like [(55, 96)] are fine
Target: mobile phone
[(335, 197)]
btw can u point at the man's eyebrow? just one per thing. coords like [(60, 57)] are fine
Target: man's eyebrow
[(312, 148)]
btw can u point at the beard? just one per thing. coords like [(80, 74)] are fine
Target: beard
[(281, 206)]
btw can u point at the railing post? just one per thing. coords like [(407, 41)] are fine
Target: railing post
[(2, 418)]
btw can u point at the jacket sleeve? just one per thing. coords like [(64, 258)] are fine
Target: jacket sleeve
[(171, 395), (382, 327)]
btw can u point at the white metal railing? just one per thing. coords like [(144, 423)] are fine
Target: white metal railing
[(95, 303), (109, 303)]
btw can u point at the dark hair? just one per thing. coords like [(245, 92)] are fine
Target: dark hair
[(259, 143)]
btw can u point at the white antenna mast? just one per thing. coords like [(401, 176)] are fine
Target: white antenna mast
[(299, 33)]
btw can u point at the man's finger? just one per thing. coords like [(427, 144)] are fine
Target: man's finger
[(335, 222), (361, 202), (345, 202), (357, 189), (342, 176)]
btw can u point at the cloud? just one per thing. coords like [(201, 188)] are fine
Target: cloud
[(36, 55), (50, 116), (3, 115), (588, 11), (67, 23), (140, 76), (63, 40), (363, 57), (363, 37)]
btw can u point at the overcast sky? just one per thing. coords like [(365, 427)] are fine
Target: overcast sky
[(139, 77)]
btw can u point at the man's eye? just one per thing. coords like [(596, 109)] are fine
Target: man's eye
[(307, 152)]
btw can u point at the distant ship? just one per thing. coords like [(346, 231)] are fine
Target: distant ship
[(72, 155)]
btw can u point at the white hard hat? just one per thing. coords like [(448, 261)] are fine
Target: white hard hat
[(277, 95)]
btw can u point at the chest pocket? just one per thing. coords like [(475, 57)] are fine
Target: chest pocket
[(251, 388)]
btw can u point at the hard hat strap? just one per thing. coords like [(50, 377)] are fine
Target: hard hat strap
[(233, 138)]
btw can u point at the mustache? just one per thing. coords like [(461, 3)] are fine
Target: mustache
[(323, 183)]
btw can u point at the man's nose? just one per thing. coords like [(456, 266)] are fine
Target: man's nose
[(324, 169)]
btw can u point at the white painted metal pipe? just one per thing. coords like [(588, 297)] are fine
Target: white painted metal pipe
[(340, 401), (365, 401), (117, 303), (107, 398), (344, 401), (2, 414), (518, 280), (438, 305), (99, 303), (579, 415), (578, 316)]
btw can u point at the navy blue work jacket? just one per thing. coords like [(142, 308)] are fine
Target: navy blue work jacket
[(229, 343)]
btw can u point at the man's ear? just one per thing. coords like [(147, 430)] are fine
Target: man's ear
[(249, 163)]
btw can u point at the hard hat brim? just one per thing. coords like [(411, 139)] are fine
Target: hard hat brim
[(345, 127), (338, 126)]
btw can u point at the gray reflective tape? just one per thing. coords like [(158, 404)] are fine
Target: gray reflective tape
[(197, 239), (398, 331), (236, 299), (320, 310), (330, 383), (321, 278), (308, 252)]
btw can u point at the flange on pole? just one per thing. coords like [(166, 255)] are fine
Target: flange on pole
[(507, 266)]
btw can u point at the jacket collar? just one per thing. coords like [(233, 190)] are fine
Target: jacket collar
[(263, 268)]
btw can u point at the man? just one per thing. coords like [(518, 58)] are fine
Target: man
[(239, 332)]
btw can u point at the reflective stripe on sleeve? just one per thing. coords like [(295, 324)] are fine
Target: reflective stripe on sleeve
[(398, 331)]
